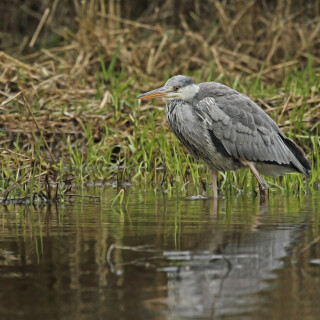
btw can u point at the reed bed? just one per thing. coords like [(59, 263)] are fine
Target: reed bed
[(68, 86)]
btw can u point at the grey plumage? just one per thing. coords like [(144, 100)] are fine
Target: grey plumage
[(226, 129)]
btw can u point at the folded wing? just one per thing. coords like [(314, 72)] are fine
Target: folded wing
[(240, 127)]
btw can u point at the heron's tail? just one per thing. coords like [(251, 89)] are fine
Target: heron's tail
[(302, 164)]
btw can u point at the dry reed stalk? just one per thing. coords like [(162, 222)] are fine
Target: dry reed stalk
[(37, 125), (41, 23)]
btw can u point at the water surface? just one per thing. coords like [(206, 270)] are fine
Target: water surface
[(161, 257)]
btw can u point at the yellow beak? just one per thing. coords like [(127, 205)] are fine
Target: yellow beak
[(157, 93)]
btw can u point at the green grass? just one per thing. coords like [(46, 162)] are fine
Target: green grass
[(135, 144)]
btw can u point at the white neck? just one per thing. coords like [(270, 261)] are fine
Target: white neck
[(189, 92)]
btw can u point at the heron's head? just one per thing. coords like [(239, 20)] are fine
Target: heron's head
[(176, 88)]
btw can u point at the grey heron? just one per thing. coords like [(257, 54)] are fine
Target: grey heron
[(227, 130)]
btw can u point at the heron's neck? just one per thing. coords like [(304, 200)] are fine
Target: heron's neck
[(188, 93)]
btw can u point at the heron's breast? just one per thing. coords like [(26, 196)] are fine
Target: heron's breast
[(190, 131)]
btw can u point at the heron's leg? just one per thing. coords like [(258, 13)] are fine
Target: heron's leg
[(214, 176), (262, 184), (214, 207)]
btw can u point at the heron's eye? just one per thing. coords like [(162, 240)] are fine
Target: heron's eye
[(176, 88)]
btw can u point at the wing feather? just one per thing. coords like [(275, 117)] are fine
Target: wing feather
[(244, 129)]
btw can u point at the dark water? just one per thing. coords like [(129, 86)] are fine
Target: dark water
[(161, 257)]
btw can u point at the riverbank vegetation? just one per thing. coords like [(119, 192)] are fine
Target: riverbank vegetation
[(70, 74)]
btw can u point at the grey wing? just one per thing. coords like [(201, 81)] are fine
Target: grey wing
[(239, 128)]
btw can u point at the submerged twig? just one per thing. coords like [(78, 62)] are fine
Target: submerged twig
[(190, 259), (307, 247)]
